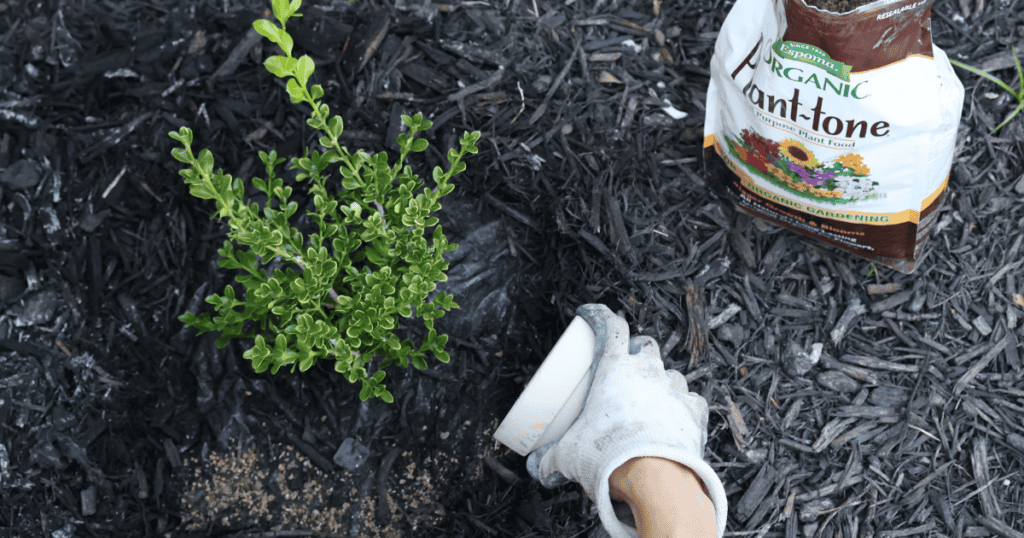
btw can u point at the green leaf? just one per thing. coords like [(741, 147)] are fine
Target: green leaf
[(419, 145), (221, 183), (469, 141), (181, 154), (183, 135), (206, 162), (365, 392), (981, 73), (1010, 117), (202, 191), (290, 209), (268, 30), (202, 323), (281, 11), (410, 122), (247, 261), (317, 91), (295, 91), (335, 126), (280, 66), (286, 43), (1019, 96), (350, 183), (237, 189), (331, 157), (304, 69), (386, 396)]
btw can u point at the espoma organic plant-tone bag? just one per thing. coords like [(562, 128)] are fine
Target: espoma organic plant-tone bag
[(840, 126)]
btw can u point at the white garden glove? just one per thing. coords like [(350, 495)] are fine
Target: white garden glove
[(634, 409)]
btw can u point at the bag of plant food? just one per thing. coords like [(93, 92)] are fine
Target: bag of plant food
[(835, 120)]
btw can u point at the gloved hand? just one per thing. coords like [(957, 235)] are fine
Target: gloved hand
[(634, 409)]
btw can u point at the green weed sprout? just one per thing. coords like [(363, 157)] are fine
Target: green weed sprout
[(1019, 95), (369, 264)]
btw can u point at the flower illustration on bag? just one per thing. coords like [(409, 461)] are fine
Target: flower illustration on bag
[(796, 152), (855, 163), (761, 145), (799, 170), (821, 177), (792, 166), (743, 153)]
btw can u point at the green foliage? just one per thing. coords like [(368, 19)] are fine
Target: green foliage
[(1019, 95), (370, 263)]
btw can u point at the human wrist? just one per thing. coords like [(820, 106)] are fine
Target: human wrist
[(626, 477), (666, 498)]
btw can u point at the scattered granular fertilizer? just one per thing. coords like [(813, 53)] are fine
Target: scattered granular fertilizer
[(283, 490)]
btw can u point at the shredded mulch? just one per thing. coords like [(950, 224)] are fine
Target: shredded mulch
[(847, 399)]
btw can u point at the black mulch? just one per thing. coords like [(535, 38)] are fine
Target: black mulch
[(116, 421)]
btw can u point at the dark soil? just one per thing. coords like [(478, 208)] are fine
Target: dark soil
[(838, 6), (117, 421)]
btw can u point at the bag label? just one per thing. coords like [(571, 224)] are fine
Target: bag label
[(809, 54)]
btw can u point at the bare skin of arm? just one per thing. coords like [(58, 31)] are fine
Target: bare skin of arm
[(667, 499)]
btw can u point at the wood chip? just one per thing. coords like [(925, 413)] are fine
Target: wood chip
[(912, 531), (831, 431), (983, 363), (697, 337), (608, 78), (878, 364), (979, 463), (1000, 528), (860, 374), (605, 56), (756, 492), (892, 287), (894, 301), (983, 325), (855, 309), (867, 411), (737, 425), (838, 381), (724, 316)]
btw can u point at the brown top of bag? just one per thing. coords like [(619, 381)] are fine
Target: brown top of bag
[(866, 40)]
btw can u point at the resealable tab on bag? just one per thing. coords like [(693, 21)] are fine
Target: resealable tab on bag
[(839, 126)]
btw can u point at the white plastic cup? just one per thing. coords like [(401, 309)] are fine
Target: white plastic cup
[(555, 396)]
